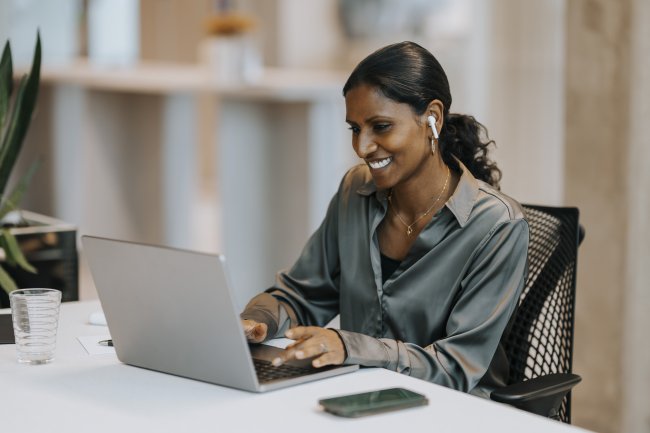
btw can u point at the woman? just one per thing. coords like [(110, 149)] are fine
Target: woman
[(419, 252)]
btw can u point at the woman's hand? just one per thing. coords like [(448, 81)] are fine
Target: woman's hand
[(255, 332), (313, 341)]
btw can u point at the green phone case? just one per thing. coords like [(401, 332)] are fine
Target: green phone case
[(368, 403)]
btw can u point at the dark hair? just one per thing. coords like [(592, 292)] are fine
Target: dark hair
[(409, 74)]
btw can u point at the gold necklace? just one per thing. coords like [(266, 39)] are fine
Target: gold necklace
[(409, 227)]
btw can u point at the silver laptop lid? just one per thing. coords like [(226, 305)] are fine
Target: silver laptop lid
[(171, 310)]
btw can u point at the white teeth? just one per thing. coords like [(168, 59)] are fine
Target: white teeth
[(381, 163)]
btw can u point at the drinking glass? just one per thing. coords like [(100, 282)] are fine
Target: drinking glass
[(35, 314)]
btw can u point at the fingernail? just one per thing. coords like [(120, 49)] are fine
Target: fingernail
[(300, 354), (277, 362), (289, 334), (316, 363)]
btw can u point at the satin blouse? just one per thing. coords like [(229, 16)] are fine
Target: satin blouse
[(440, 315)]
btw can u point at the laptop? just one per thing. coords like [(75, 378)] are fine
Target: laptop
[(172, 311)]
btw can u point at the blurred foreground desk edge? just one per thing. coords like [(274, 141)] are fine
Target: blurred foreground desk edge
[(82, 392)]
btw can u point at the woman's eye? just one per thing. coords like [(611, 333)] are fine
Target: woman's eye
[(354, 129), (380, 127)]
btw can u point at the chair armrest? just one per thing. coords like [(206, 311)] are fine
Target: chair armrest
[(541, 395)]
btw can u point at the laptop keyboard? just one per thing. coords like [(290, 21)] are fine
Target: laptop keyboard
[(266, 372)]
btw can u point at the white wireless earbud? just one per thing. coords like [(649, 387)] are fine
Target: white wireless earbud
[(432, 124)]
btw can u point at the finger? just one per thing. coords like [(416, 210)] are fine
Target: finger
[(255, 332), (305, 345), (302, 351), (290, 352), (248, 329), (314, 348), (299, 334), (285, 356), (259, 332), (302, 332), (295, 344), (329, 358)]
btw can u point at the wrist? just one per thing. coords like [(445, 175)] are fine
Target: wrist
[(345, 349)]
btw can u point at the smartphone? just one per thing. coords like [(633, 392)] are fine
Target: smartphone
[(368, 403)]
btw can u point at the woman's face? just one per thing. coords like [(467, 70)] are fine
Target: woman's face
[(387, 135)]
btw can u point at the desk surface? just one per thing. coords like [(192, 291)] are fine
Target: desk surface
[(96, 393)]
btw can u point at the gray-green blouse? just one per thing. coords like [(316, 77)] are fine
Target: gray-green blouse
[(440, 315)]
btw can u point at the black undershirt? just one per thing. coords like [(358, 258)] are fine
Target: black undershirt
[(388, 266)]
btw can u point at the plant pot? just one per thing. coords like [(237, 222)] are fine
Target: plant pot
[(50, 245)]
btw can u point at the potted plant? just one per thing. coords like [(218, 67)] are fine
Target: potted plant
[(35, 251)]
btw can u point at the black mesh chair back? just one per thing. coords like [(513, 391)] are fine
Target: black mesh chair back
[(540, 340)]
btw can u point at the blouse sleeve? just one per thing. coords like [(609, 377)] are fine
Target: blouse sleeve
[(308, 294), (488, 296)]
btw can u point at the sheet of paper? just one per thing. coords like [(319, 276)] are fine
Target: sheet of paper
[(92, 346), (279, 342)]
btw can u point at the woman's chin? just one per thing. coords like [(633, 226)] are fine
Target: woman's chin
[(381, 177)]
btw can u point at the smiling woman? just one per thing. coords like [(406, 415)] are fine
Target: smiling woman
[(420, 253)]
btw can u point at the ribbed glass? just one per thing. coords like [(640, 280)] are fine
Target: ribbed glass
[(35, 314)]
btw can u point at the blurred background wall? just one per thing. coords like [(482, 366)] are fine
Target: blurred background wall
[(561, 85)]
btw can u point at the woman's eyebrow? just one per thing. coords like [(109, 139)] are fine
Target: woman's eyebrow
[(371, 118), (377, 116)]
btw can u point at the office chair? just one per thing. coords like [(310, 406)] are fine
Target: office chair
[(539, 342)]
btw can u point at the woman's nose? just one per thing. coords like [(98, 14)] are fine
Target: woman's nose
[(365, 146)]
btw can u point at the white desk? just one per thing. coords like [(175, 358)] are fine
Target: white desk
[(83, 393)]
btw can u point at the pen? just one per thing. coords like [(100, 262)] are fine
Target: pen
[(108, 343)]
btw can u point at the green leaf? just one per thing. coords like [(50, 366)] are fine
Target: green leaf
[(6, 82), (13, 250), (6, 281), (22, 115), (3, 244), (10, 121), (13, 200)]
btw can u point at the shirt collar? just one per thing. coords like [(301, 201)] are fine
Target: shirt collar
[(460, 203), (462, 200)]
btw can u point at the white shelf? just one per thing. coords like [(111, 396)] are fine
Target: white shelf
[(164, 78)]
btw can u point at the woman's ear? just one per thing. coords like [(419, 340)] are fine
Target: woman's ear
[(436, 110)]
